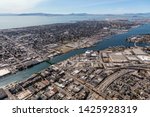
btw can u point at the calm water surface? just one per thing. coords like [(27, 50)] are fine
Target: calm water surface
[(116, 40)]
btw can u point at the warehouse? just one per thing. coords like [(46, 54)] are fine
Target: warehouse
[(117, 57), (138, 51), (144, 58), (4, 72)]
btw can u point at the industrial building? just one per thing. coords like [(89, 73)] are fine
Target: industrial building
[(117, 57), (144, 58), (4, 72), (138, 51)]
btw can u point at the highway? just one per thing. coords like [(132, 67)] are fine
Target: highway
[(105, 83)]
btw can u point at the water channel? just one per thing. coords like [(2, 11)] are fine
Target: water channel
[(115, 40)]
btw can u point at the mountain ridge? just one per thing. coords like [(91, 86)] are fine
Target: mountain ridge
[(74, 14)]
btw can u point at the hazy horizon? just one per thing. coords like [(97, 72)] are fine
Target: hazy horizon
[(77, 6), (72, 13)]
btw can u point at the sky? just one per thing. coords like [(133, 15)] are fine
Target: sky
[(75, 6)]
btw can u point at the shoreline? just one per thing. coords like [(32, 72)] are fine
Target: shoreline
[(144, 38), (85, 43)]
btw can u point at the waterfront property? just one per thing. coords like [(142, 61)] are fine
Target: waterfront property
[(25, 47), (4, 72), (87, 77), (109, 42)]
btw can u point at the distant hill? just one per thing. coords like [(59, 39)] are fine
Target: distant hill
[(38, 14), (77, 14), (46, 14), (30, 14)]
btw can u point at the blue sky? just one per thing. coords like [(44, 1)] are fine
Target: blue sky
[(75, 6)]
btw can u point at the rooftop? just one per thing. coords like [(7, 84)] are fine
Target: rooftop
[(4, 72)]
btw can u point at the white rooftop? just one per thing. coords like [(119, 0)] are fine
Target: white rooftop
[(4, 72), (138, 51), (144, 58)]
